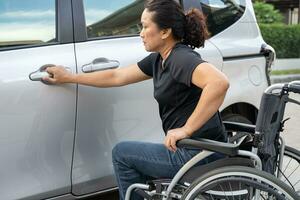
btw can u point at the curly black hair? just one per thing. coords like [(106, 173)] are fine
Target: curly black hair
[(189, 28)]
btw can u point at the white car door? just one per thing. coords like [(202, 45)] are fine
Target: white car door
[(37, 120), (107, 116), (107, 37)]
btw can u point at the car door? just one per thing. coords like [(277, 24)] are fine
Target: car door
[(107, 116), (107, 37), (37, 120)]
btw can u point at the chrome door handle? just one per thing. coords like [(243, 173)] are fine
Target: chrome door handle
[(100, 64), (39, 74)]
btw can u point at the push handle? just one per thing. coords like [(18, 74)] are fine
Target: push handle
[(294, 86)]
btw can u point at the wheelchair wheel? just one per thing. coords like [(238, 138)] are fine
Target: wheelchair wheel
[(290, 170), (237, 182)]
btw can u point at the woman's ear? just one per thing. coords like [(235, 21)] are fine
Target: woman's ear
[(165, 33)]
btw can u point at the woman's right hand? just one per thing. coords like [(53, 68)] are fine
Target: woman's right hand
[(59, 75)]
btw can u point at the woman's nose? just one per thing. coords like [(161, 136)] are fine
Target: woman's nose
[(142, 33)]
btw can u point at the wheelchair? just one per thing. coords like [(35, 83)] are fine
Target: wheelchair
[(254, 164)]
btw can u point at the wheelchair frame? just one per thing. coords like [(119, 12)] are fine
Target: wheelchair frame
[(209, 147)]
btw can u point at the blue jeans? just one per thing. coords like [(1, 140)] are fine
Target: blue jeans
[(137, 162)]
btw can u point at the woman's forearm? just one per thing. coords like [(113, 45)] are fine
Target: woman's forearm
[(102, 79), (107, 78), (211, 99)]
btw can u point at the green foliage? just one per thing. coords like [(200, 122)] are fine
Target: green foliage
[(285, 39), (265, 13), (285, 72)]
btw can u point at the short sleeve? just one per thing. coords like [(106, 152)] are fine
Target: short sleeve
[(146, 65), (183, 65)]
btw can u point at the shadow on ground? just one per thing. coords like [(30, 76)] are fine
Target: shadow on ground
[(108, 196)]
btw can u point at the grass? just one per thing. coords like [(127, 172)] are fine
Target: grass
[(285, 72)]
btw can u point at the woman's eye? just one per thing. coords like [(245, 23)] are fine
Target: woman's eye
[(143, 25)]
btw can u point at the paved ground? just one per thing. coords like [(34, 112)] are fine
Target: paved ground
[(110, 196), (284, 64), (292, 127), (284, 78)]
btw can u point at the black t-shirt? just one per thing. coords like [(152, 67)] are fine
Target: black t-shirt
[(176, 95)]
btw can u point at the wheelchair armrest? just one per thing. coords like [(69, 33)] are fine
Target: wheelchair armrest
[(210, 145), (237, 126)]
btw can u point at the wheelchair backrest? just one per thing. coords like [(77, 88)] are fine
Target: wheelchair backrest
[(268, 126)]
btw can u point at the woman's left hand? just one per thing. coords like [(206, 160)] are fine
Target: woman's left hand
[(173, 136)]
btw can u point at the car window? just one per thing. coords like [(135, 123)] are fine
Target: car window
[(113, 18), (222, 13), (27, 22)]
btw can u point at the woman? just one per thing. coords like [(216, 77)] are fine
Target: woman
[(180, 78)]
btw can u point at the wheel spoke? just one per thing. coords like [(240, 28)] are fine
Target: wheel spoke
[(293, 172), (224, 192), (231, 190), (233, 185), (296, 183), (287, 165)]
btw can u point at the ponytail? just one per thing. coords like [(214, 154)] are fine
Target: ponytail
[(189, 28), (195, 29)]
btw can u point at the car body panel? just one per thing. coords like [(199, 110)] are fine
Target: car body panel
[(56, 141), (37, 125), (107, 116)]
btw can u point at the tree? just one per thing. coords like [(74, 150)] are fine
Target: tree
[(266, 14)]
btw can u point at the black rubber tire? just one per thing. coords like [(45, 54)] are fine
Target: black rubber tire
[(292, 152), (251, 172), (293, 158)]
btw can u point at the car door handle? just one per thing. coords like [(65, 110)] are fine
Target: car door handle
[(39, 74), (100, 64)]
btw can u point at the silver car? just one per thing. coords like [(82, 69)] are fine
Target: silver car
[(56, 141)]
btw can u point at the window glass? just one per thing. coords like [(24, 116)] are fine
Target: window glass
[(112, 18), (27, 22), (222, 13)]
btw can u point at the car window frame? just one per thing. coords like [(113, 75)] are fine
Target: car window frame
[(80, 32), (83, 35), (187, 4), (63, 27)]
